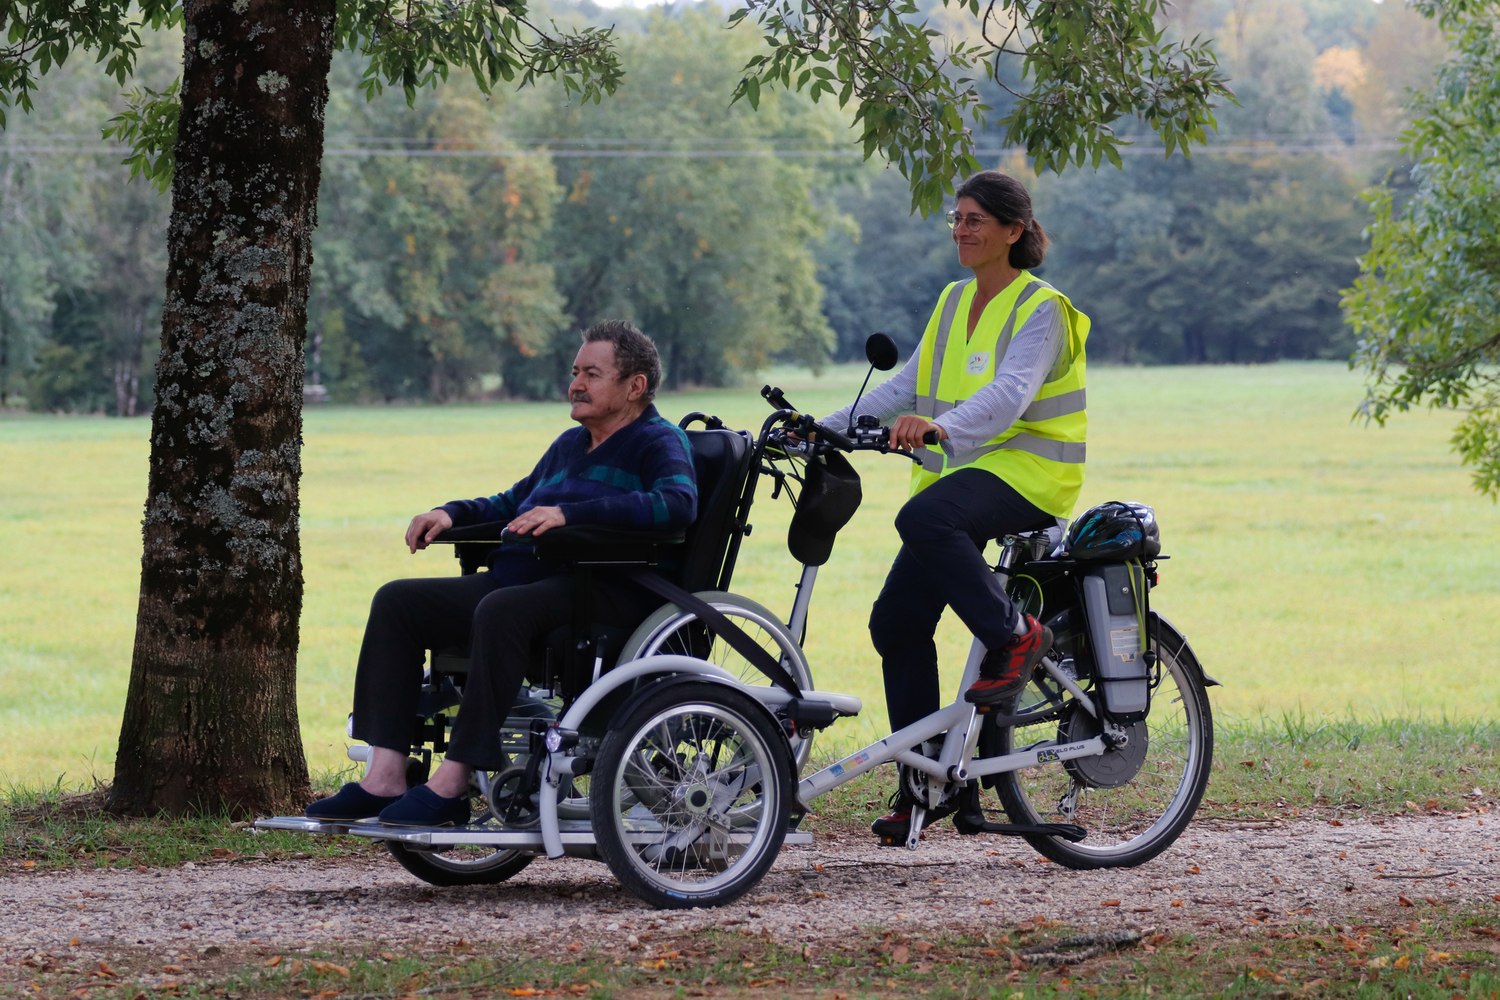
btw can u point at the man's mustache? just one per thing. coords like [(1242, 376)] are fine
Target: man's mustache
[(579, 397)]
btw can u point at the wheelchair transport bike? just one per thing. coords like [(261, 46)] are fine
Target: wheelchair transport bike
[(674, 753)]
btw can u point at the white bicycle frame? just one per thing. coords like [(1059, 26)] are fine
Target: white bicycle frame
[(959, 724)]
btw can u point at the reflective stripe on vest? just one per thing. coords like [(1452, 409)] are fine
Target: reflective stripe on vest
[(1055, 406)]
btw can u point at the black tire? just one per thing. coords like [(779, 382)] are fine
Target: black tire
[(690, 795), (462, 864), (1129, 823), (673, 630), (459, 865)]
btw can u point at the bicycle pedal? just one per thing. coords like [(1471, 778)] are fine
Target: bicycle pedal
[(892, 841)]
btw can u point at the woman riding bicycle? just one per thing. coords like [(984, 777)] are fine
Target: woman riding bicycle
[(998, 381)]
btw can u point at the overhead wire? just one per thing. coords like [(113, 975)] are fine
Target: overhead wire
[(411, 148)]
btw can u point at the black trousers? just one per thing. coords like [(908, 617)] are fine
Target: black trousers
[(941, 565), (499, 615)]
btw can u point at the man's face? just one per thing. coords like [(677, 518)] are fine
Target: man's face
[(599, 396)]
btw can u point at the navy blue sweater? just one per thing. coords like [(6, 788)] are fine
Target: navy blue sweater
[(640, 477)]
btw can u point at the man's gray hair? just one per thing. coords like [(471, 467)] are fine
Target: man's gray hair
[(635, 353)]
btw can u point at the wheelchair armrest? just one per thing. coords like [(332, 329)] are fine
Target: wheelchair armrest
[(473, 543), (484, 533), (604, 545), (578, 544)]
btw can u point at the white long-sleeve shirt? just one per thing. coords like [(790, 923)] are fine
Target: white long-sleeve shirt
[(1029, 359)]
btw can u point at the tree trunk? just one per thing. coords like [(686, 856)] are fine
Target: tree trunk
[(210, 718)]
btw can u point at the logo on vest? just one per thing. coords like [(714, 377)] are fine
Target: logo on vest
[(978, 362)]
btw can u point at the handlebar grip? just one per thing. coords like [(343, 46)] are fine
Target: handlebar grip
[(931, 437)]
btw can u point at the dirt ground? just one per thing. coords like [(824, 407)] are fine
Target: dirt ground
[(1219, 878)]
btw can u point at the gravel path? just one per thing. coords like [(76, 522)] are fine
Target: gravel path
[(1216, 879)]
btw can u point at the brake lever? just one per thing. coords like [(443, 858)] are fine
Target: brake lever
[(780, 478)]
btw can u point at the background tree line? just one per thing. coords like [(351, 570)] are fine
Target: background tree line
[(462, 242)]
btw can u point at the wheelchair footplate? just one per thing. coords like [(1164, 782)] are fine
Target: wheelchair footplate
[(302, 824), (577, 834)]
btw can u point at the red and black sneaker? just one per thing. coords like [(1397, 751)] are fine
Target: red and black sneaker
[(1004, 672)]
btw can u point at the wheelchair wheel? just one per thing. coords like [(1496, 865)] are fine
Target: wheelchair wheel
[(691, 795), (469, 865), (674, 630), (1133, 801), (459, 865)]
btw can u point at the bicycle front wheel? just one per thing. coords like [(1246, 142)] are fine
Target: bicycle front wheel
[(1133, 801)]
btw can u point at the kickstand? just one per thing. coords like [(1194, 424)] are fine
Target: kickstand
[(914, 832)]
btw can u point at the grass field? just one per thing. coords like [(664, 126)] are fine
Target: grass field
[(1323, 570)]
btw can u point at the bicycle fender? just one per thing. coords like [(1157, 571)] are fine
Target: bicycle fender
[(1166, 632)]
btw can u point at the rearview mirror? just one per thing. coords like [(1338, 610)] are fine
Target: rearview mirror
[(881, 352)]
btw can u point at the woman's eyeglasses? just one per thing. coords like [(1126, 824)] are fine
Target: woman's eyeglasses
[(972, 223)]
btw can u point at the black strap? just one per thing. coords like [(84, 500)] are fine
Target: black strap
[(720, 626)]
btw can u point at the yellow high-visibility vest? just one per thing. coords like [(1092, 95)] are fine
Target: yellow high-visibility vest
[(1041, 454)]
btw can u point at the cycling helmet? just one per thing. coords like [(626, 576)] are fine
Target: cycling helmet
[(1114, 530)]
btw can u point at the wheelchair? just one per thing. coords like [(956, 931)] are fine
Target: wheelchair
[(700, 716)]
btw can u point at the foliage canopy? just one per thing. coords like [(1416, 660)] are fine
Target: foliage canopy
[(916, 101), (1426, 305), (915, 93)]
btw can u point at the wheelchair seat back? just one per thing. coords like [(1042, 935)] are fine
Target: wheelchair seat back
[(704, 560), (721, 459)]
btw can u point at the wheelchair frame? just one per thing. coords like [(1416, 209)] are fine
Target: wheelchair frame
[(710, 552)]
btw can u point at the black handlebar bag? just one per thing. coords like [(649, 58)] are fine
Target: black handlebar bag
[(830, 495)]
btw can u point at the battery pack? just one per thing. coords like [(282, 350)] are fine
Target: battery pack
[(1115, 599)]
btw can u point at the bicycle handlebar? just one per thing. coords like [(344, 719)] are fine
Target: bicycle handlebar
[(865, 436)]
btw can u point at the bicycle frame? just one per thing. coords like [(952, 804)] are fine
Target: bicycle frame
[(959, 724)]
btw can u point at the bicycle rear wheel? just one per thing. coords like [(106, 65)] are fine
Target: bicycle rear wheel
[(1133, 801)]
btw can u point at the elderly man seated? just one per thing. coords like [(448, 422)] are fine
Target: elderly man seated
[(623, 466)]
